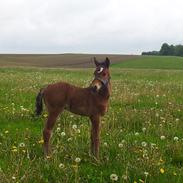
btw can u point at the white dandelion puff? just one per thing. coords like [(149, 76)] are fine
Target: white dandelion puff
[(113, 177)]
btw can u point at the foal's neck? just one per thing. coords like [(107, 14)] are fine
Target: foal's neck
[(104, 93)]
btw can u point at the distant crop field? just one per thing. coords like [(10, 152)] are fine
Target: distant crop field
[(57, 60), (152, 62), (141, 135)]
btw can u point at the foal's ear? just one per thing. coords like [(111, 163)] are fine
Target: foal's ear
[(107, 62), (96, 62)]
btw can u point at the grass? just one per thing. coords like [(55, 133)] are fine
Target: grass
[(141, 135), (152, 62)]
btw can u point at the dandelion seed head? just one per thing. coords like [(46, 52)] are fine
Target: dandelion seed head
[(113, 177), (22, 144), (58, 129), (77, 160), (136, 133), (144, 129), (144, 144), (162, 137), (120, 145), (62, 134), (61, 166), (146, 173), (74, 126), (105, 144), (176, 138)]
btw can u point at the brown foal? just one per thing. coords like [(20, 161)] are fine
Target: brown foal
[(91, 101)]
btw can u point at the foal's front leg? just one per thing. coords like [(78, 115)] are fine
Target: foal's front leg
[(95, 135)]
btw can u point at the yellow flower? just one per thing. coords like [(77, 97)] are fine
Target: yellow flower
[(41, 141), (6, 132), (48, 157), (174, 173), (134, 181), (14, 147), (45, 115), (161, 160), (14, 150), (162, 170)]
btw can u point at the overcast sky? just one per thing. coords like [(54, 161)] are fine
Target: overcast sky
[(89, 26)]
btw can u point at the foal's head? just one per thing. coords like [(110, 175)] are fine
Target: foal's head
[(101, 75)]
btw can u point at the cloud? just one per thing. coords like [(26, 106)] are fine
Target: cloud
[(105, 26)]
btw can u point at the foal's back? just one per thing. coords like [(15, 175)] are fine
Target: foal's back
[(66, 96)]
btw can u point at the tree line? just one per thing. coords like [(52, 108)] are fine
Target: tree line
[(167, 50)]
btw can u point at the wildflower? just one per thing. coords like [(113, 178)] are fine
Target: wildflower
[(136, 133), (48, 157), (23, 151), (113, 177), (14, 147), (13, 177), (63, 134), (161, 160), (162, 137), (146, 173), (22, 144), (176, 138), (61, 165), (14, 150), (144, 129), (125, 177), (162, 170), (69, 139), (77, 160), (105, 144), (123, 141), (6, 132), (144, 144), (120, 145), (58, 129), (174, 173), (74, 126), (41, 141), (45, 115)]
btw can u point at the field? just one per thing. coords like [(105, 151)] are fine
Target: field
[(57, 60), (141, 135)]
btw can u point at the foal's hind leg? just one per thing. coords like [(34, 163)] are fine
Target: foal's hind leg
[(48, 129)]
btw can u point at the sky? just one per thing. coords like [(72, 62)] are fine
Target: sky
[(89, 26)]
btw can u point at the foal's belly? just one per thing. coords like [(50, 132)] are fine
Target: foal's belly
[(78, 109)]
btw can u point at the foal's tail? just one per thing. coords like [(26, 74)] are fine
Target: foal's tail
[(39, 103)]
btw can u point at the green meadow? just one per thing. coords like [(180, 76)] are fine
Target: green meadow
[(152, 62), (141, 134)]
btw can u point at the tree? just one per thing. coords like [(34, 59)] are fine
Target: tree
[(179, 50), (165, 49)]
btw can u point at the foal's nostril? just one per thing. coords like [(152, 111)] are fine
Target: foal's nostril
[(95, 88)]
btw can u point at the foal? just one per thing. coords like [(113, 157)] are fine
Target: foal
[(91, 101)]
